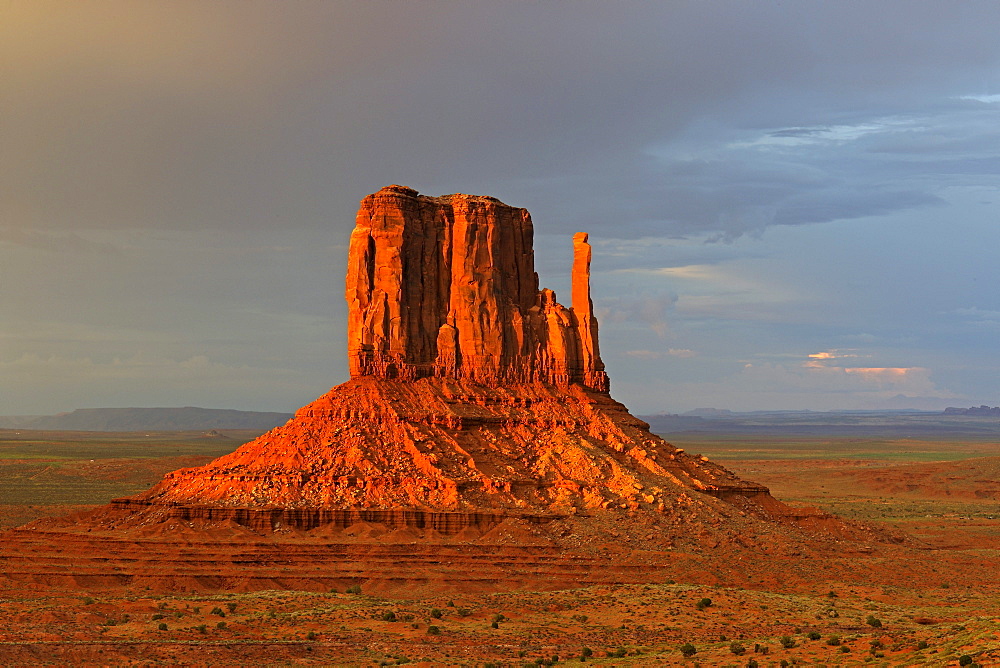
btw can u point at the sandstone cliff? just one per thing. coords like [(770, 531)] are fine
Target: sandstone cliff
[(446, 287)]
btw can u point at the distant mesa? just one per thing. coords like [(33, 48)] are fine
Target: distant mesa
[(475, 397), (984, 411)]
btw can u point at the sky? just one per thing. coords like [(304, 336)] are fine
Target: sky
[(793, 205)]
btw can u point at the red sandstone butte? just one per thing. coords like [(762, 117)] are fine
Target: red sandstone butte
[(446, 287), (474, 396)]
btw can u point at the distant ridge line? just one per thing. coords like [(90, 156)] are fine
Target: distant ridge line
[(188, 418)]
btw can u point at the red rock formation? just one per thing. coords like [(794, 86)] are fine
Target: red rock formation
[(446, 287), (474, 397)]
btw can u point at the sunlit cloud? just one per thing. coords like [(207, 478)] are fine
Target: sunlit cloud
[(817, 359), (897, 379)]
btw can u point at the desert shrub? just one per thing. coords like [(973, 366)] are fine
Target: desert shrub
[(463, 612), (586, 652), (752, 663), (813, 635), (162, 626), (406, 618), (703, 603), (499, 618), (389, 616), (617, 653), (687, 649), (922, 644), (965, 660), (833, 640), (786, 642), (433, 630), (873, 622), (311, 635), (436, 614), (201, 628), (157, 616), (221, 626), (580, 618), (232, 606), (87, 600), (494, 625), (737, 649), (844, 649), (218, 611), (354, 589), (876, 645)]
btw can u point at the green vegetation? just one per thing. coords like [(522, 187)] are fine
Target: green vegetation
[(89, 468), (753, 447)]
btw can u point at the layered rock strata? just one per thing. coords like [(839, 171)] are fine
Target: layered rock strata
[(446, 287), (448, 445), (475, 397)]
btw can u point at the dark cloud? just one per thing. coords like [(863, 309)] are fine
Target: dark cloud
[(185, 115)]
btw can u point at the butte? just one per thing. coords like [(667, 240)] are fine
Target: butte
[(477, 428)]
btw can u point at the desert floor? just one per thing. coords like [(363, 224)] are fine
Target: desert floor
[(943, 493)]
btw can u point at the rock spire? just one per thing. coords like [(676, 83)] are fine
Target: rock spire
[(446, 287)]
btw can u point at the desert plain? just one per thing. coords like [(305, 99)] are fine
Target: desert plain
[(929, 598)]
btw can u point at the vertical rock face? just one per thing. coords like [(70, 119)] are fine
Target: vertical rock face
[(446, 287)]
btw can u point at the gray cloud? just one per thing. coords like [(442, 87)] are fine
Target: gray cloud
[(177, 178)]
